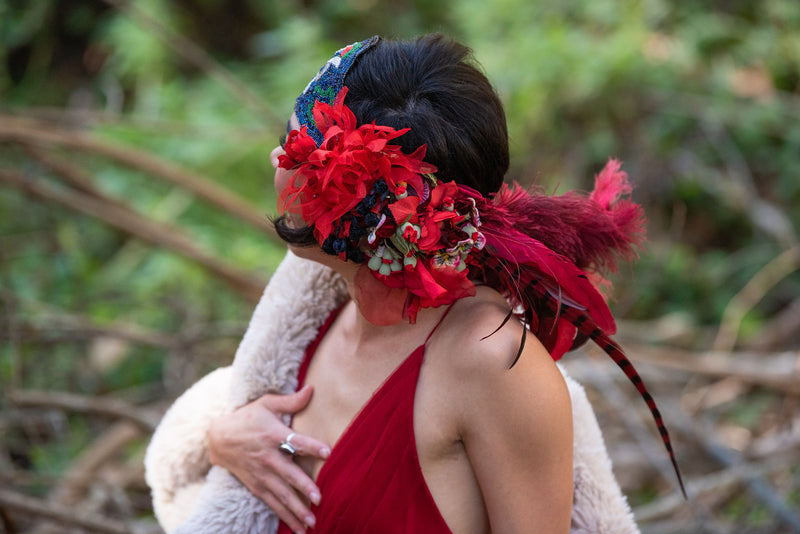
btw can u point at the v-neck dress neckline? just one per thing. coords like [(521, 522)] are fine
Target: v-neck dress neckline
[(372, 481)]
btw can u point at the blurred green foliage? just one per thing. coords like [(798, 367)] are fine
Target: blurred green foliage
[(701, 100)]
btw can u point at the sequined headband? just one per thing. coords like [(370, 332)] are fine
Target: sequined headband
[(327, 84)]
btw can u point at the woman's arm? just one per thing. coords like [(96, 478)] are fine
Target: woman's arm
[(246, 442), (199, 431), (516, 425)]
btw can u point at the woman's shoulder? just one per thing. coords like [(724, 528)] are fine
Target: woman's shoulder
[(514, 421), (479, 336), (488, 389)]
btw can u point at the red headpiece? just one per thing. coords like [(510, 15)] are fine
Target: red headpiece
[(423, 243)]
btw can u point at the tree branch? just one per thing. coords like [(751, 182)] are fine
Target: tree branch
[(764, 280), (108, 406), (773, 370), (32, 132), (73, 485), (41, 509), (135, 224)]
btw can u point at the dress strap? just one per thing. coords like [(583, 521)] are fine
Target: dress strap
[(440, 322)]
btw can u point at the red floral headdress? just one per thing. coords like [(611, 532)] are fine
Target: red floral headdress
[(371, 203), (423, 243)]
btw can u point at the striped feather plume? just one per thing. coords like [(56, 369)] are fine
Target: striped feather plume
[(538, 251)]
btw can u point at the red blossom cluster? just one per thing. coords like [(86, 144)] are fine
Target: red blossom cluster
[(422, 230)]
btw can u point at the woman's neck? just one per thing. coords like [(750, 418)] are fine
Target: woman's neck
[(361, 331), (356, 326)]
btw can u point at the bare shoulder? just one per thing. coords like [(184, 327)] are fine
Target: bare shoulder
[(479, 338), (515, 421), (475, 351)]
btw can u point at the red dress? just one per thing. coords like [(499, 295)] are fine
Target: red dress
[(372, 481)]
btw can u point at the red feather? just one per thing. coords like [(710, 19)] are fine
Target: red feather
[(517, 249), (536, 249), (591, 230)]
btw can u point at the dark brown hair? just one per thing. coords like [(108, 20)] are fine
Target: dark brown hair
[(433, 86)]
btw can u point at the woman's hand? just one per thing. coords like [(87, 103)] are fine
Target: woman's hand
[(246, 443)]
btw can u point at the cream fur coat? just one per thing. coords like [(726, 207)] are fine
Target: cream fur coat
[(192, 497)]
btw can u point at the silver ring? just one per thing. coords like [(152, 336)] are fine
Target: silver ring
[(286, 445)]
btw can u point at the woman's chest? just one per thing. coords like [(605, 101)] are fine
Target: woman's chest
[(344, 384), (353, 393), (388, 415)]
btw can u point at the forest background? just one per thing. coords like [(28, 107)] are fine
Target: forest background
[(135, 189)]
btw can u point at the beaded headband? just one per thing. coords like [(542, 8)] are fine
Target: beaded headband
[(327, 84)]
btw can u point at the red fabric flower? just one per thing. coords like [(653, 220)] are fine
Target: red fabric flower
[(299, 145), (427, 264), (331, 179), (429, 287)]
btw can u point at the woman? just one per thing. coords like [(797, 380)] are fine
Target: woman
[(424, 408)]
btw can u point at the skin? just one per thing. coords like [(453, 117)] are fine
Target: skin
[(494, 444)]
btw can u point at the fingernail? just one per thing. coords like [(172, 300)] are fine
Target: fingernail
[(315, 497), (325, 452), (310, 521)]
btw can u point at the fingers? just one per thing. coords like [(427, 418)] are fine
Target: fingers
[(283, 513), (299, 480), (282, 487), (276, 488), (307, 446), (247, 444), (286, 504), (291, 403)]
